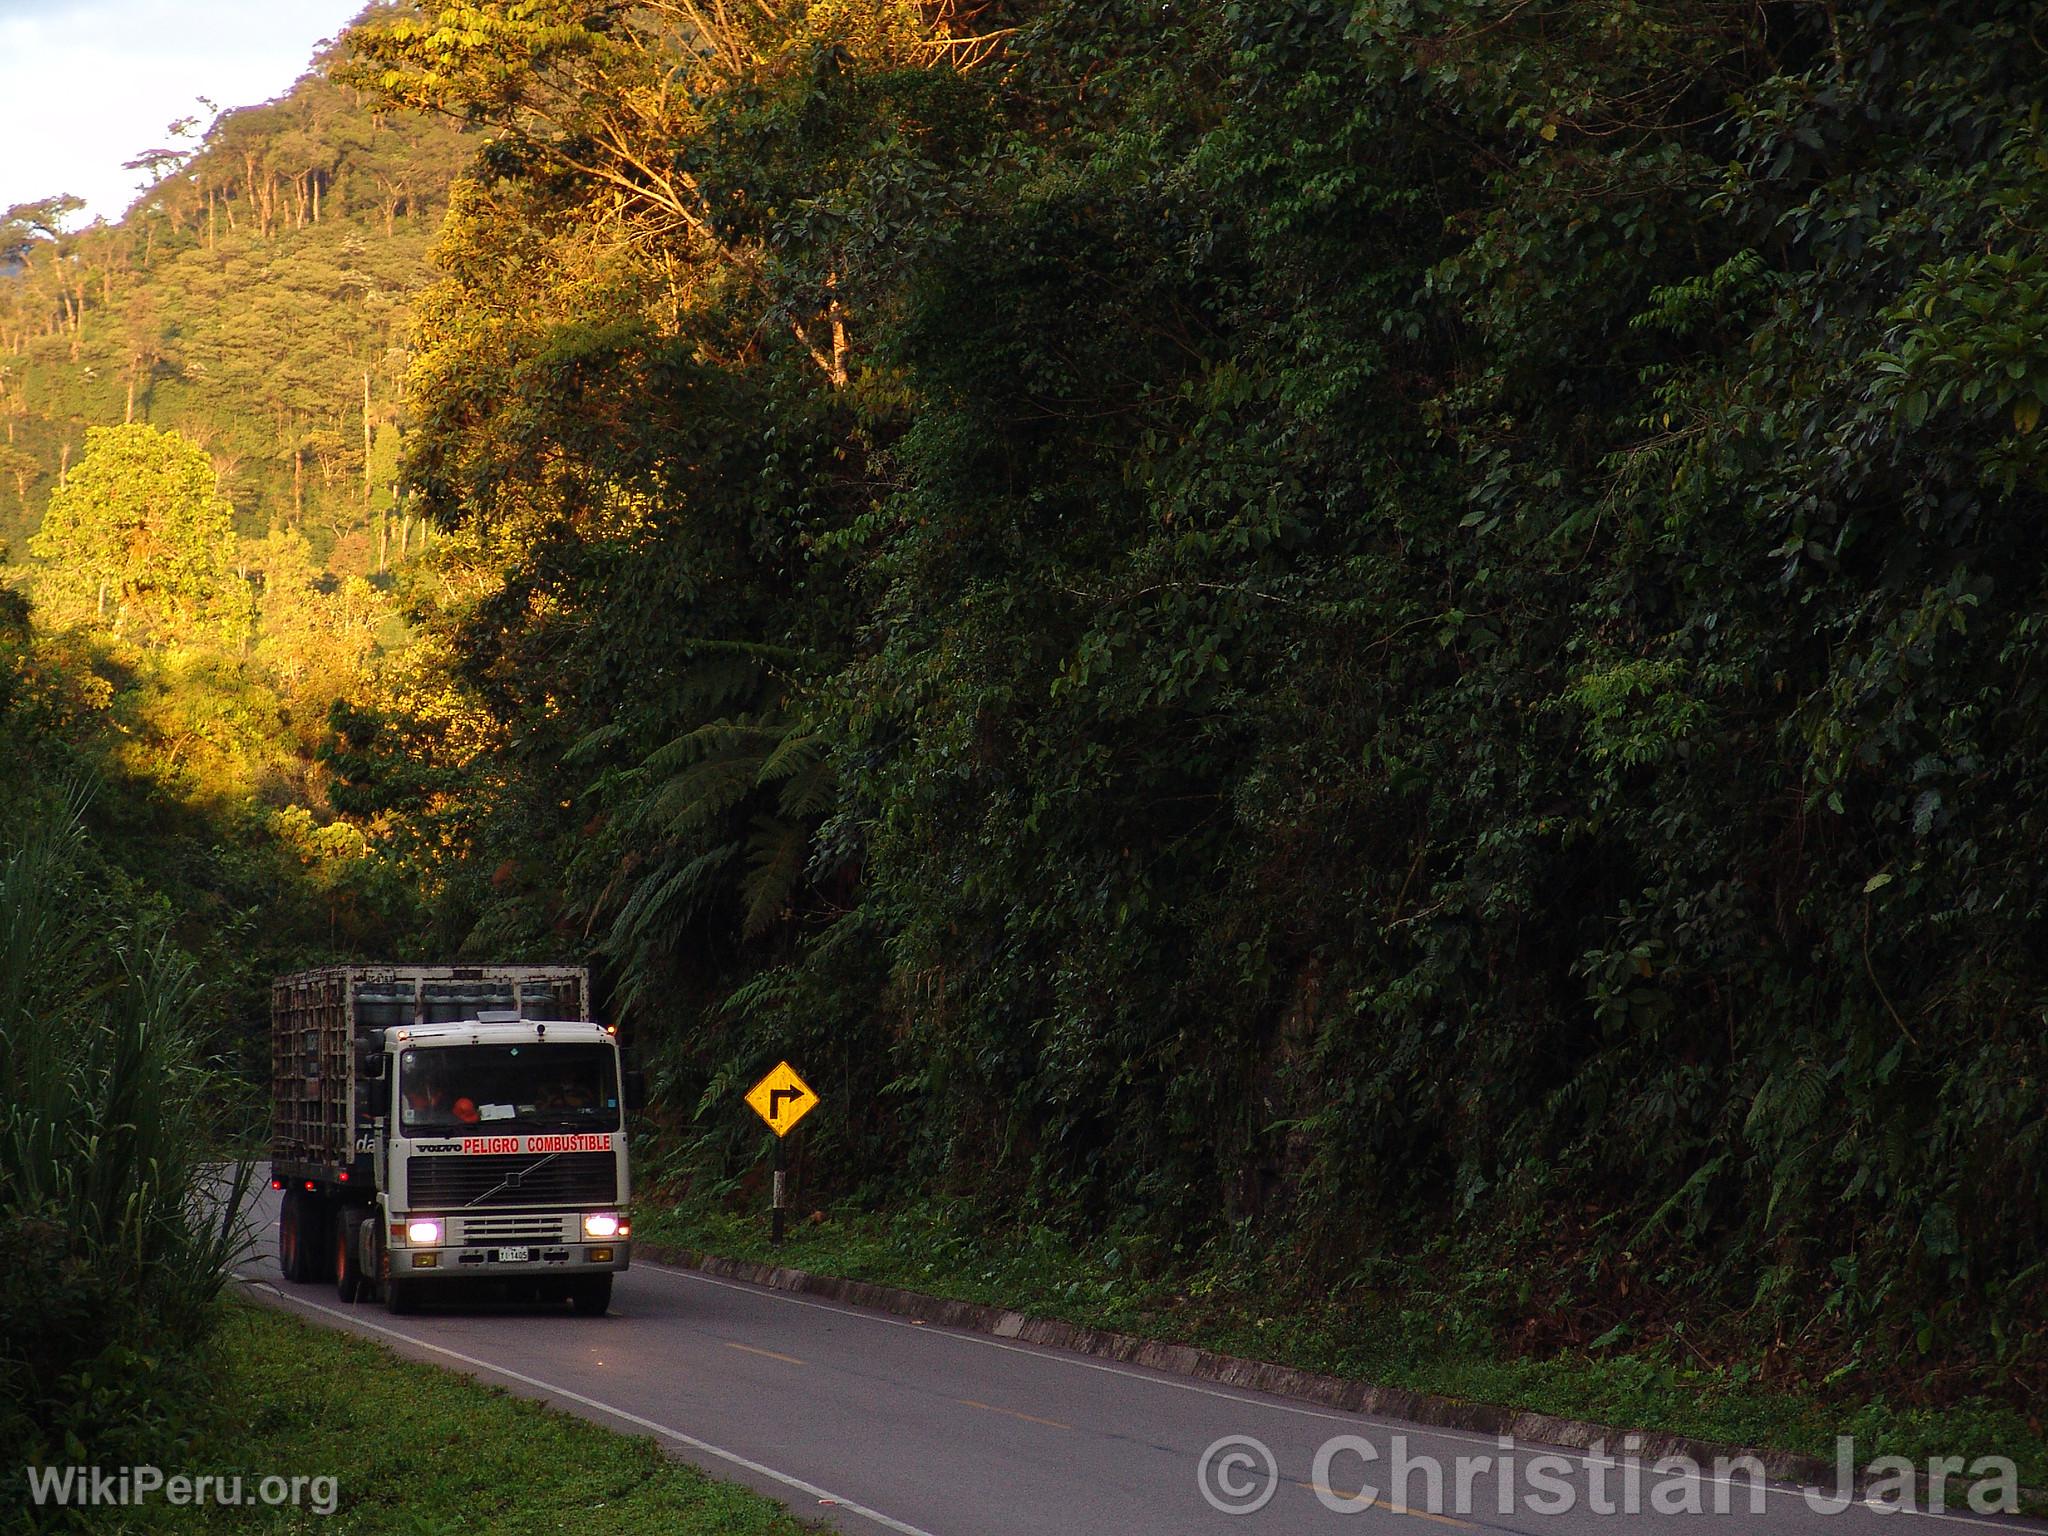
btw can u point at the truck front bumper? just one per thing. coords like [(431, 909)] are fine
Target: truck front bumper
[(523, 1261)]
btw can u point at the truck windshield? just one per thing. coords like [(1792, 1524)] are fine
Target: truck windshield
[(509, 1087)]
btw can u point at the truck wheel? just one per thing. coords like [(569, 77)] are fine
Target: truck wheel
[(287, 1233), (314, 1227), (591, 1297), (297, 1250), (401, 1297), (348, 1269)]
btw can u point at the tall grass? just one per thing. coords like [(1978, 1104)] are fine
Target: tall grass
[(116, 1227)]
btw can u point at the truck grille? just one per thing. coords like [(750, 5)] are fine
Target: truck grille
[(569, 1178), (512, 1229)]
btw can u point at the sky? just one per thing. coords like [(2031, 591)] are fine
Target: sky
[(87, 84)]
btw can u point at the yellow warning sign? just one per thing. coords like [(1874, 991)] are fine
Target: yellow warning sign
[(782, 1098)]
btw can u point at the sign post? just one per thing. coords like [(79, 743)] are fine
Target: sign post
[(780, 1099)]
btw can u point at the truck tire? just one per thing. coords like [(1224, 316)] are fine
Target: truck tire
[(291, 1249), (316, 1228), (348, 1269), (591, 1296)]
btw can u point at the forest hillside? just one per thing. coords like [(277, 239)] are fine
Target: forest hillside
[(1411, 630), (201, 411), (254, 299), (1403, 639)]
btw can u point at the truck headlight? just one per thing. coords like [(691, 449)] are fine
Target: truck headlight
[(601, 1224), (424, 1231)]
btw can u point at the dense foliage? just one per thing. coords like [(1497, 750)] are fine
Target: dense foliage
[(255, 298), (201, 407), (141, 536), (1416, 624), (115, 1224), (1408, 633)]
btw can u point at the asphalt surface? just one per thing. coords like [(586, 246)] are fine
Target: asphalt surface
[(868, 1422)]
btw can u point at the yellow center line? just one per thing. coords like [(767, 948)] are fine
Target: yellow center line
[(1419, 1514), (1028, 1418), (768, 1353)]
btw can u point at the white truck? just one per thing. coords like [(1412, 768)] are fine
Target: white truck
[(438, 1123)]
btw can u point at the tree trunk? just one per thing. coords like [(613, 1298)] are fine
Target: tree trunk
[(839, 348)]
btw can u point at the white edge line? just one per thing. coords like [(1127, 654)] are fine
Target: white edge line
[(705, 1446), (1425, 1431)]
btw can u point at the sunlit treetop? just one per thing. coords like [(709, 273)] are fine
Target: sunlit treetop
[(138, 538)]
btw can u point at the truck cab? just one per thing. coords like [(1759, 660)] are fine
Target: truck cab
[(435, 1124), (499, 1153)]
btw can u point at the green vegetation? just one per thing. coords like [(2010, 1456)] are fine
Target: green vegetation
[(255, 299), (1413, 627), (197, 406), (292, 1399), (1406, 637), (115, 1229), (140, 534), (201, 410)]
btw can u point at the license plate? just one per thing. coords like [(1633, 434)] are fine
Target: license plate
[(514, 1255)]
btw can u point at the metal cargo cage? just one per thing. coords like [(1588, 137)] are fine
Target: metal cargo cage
[(317, 1016)]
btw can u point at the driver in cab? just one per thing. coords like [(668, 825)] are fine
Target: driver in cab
[(426, 1100)]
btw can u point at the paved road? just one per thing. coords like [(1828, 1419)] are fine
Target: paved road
[(875, 1423)]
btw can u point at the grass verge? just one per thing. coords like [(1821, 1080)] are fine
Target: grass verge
[(415, 1450), (1393, 1336)]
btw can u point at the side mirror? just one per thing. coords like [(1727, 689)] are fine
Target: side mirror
[(636, 1090), (370, 1059)]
